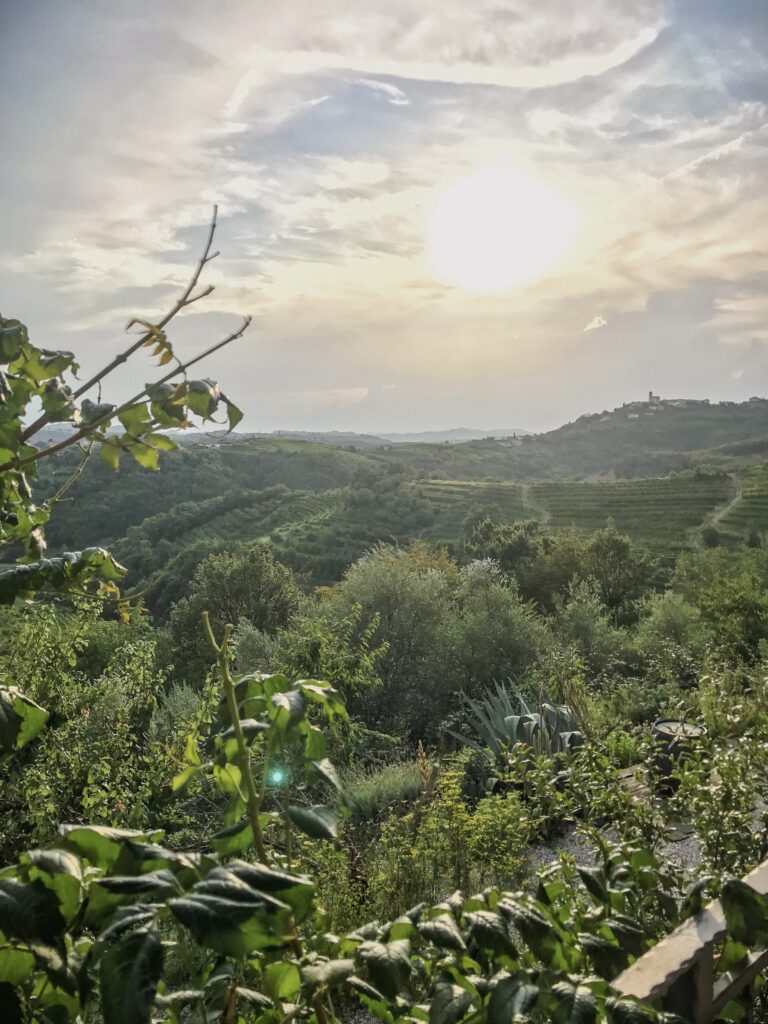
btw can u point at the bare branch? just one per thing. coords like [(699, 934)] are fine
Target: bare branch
[(86, 450), (185, 299)]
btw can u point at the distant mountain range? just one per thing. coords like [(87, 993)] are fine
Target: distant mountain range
[(340, 438), (455, 435)]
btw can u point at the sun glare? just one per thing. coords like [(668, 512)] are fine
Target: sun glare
[(498, 229)]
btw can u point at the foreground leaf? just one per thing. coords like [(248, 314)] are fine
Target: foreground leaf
[(129, 972)]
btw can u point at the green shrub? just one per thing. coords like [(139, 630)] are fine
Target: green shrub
[(371, 792), (622, 748), (445, 844), (500, 832)]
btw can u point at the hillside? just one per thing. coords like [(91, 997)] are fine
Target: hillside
[(104, 505), (631, 441), (321, 506)]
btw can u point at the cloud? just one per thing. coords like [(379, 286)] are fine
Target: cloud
[(326, 136), (390, 92), (330, 397), (595, 324)]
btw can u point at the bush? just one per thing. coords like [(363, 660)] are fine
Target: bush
[(231, 586), (370, 793), (710, 537), (622, 748), (500, 832)]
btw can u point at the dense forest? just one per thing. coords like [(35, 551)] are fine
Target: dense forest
[(330, 687)]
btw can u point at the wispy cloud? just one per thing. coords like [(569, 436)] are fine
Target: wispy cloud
[(595, 324), (330, 397), (326, 136), (390, 92)]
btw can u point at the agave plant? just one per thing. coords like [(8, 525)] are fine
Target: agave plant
[(500, 724)]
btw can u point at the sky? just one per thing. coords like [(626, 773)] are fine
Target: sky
[(496, 214)]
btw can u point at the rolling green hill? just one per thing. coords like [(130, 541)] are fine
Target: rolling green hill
[(320, 507), (632, 441), (103, 505)]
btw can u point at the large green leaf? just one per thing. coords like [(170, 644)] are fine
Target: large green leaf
[(21, 719), (203, 397), (100, 844), (326, 770), (41, 364), (287, 709), (540, 934), (317, 821), (442, 931), (128, 919), (61, 872), (489, 931), (510, 997), (129, 972), (296, 890), (226, 915), (135, 418), (29, 912), (746, 913), (388, 964), (608, 957), (282, 980), (327, 972), (235, 838), (15, 964), (107, 894), (595, 883), (146, 456), (13, 339), (449, 1004), (576, 1004)]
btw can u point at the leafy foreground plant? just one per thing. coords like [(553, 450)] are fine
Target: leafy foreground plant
[(110, 924), (34, 379)]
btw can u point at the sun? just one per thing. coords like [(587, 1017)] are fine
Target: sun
[(498, 229)]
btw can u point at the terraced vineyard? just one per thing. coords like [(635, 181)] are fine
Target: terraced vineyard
[(159, 546), (664, 512), (750, 511), (320, 532), (452, 501), (321, 547)]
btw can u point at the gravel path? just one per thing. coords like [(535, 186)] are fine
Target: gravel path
[(683, 851)]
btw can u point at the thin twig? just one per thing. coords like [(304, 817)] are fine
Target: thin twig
[(86, 450), (253, 801), (88, 430), (185, 299)]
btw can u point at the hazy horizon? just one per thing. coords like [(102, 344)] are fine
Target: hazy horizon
[(491, 214)]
